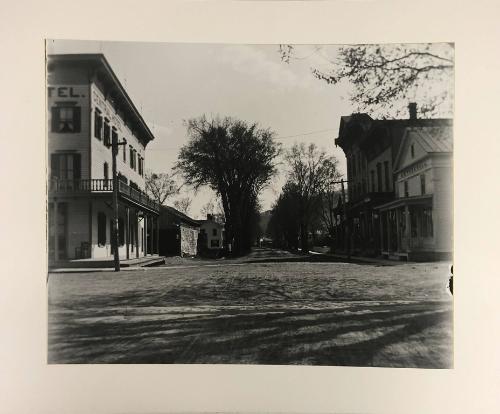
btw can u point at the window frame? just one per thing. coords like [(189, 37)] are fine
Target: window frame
[(98, 124), (56, 121), (107, 133)]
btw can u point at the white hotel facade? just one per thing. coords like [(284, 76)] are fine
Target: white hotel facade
[(87, 106)]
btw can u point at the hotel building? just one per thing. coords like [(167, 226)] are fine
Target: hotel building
[(87, 107)]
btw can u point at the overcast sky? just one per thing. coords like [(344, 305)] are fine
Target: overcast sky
[(170, 83)]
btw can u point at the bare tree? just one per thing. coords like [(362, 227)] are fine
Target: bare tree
[(311, 173), (183, 204), (160, 186), (386, 77), (208, 209)]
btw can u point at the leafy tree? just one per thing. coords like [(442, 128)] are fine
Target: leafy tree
[(160, 186), (311, 173), (183, 204), (236, 160), (386, 77)]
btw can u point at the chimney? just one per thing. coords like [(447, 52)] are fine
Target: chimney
[(412, 108)]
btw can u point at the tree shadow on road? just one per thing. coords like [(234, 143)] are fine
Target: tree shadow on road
[(354, 337)]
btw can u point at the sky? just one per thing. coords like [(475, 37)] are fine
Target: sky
[(170, 83)]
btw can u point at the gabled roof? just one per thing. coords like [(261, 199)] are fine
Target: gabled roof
[(432, 139)]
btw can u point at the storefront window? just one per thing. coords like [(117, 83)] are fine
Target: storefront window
[(427, 225)]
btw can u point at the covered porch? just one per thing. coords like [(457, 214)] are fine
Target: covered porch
[(80, 223), (407, 228)]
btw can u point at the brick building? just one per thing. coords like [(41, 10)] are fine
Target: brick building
[(87, 107)]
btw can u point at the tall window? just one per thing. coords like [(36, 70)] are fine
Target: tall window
[(406, 188), (124, 150), (379, 177), (140, 164), (372, 177), (66, 119), (101, 229), (422, 184), (106, 173), (214, 232), (386, 176), (98, 124), (412, 150), (114, 135), (107, 132), (65, 166), (131, 156)]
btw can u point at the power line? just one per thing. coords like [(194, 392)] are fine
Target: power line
[(306, 133), (278, 138)]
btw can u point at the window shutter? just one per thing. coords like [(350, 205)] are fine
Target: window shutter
[(77, 118), (55, 119), (77, 165)]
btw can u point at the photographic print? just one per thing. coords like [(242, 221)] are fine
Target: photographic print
[(250, 204)]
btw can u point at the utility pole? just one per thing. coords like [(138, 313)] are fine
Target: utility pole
[(115, 231)]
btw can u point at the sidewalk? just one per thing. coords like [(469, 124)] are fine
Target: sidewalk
[(353, 259), (105, 264)]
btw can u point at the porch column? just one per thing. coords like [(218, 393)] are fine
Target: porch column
[(56, 232), (381, 228), (137, 234), (127, 231), (90, 228), (398, 234), (145, 234), (408, 228), (389, 231), (158, 235)]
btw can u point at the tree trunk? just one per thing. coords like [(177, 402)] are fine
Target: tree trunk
[(304, 245)]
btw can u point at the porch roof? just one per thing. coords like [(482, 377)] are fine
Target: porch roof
[(422, 199)]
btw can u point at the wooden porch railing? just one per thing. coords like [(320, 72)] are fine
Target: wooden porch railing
[(100, 185)]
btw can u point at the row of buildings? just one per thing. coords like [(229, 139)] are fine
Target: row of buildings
[(87, 108), (399, 175)]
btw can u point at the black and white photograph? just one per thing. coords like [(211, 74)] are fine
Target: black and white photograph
[(274, 204)]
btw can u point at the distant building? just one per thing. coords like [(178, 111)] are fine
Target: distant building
[(178, 233), (371, 147), (418, 224), (212, 232), (87, 107)]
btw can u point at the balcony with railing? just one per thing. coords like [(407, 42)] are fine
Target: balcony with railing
[(97, 186)]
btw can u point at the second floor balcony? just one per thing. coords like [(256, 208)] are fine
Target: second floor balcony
[(59, 186)]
